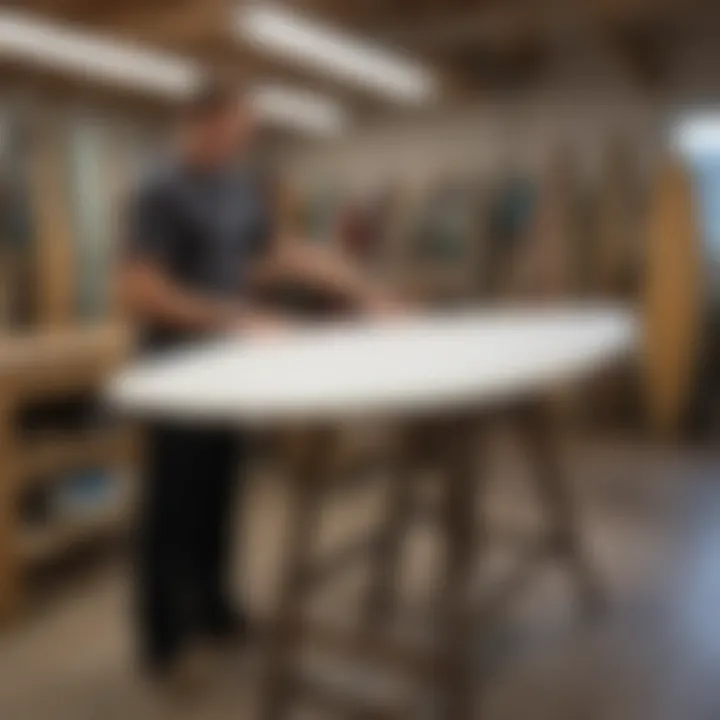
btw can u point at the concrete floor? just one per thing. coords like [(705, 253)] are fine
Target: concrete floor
[(652, 524)]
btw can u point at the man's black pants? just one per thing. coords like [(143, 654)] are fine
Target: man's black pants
[(187, 508)]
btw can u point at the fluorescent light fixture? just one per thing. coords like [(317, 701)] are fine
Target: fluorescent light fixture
[(301, 109), (698, 134), (283, 32), (57, 46), (60, 47)]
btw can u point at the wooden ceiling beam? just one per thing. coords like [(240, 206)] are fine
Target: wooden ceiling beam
[(55, 8), (509, 24), (164, 22), (644, 55), (71, 10)]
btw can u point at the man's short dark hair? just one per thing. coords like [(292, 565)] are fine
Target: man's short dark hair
[(214, 95)]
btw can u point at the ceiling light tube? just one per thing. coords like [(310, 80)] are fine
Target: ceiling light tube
[(24, 37), (301, 109), (279, 31)]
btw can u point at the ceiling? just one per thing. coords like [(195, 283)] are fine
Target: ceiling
[(477, 46)]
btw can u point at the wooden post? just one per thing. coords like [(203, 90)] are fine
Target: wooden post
[(8, 273), (618, 248), (9, 559), (54, 248)]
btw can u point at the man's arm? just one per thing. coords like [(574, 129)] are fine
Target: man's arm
[(326, 270), (150, 297)]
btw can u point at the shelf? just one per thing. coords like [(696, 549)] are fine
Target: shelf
[(40, 366), (41, 545), (52, 455)]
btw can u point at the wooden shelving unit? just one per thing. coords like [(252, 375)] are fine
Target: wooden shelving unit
[(54, 270), (43, 368)]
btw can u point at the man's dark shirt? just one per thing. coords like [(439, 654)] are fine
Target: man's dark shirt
[(202, 229)]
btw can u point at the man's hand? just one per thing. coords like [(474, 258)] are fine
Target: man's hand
[(384, 306), (328, 271), (149, 295), (377, 301), (260, 324)]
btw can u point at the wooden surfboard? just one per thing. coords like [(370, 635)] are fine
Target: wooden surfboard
[(674, 296)]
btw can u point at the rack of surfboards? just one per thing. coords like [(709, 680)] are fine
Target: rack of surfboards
[(620, 233)]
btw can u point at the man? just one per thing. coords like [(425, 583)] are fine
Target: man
[(198, 228)]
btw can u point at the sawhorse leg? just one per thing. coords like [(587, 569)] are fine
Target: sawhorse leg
[(310, 454), (541, 441)]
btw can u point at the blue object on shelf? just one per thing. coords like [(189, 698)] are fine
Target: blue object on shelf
[(87, 490)]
